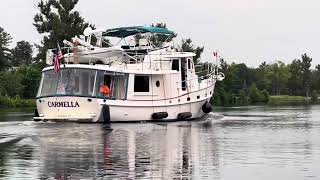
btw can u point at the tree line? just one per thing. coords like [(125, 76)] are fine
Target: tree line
[(244, 84)]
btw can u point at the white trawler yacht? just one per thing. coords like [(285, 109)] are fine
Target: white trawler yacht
[(132, 81)]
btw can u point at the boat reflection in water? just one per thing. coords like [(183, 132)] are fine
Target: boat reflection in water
[(126, 151), (247, 143)]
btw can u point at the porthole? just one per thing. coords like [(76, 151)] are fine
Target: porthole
[(158, 83)]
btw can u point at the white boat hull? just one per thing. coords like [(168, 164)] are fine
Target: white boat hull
[(89, 109)]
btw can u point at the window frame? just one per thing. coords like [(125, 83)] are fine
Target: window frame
[(179, 66), (149, 83)]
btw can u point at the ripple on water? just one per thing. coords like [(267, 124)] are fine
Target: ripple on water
[(234, 143)]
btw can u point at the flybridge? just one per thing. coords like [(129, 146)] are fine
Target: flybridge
[(130, 50)]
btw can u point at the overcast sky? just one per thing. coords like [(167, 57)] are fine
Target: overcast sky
[(249, 31)]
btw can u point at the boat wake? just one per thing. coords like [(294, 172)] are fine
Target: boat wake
[(8, 141)]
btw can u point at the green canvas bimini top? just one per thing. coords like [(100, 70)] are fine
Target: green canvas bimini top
[(123, 32)]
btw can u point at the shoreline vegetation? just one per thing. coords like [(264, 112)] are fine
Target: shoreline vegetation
[(282, 100), (17, 102)]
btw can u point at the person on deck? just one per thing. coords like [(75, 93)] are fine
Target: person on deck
[(104, 90)]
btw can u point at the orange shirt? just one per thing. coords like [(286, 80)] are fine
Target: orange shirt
[(104, 89)]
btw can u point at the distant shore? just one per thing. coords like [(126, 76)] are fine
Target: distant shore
[(276, 101), (290, 100), (16, 102)]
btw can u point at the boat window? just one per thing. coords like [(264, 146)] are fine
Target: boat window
[(84, 82), (183, 74), (111, 85), (49, 84), (175, 64), (189, 63), (141, 83), (68, 82)]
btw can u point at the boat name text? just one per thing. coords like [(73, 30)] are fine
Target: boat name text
[(63, 104)]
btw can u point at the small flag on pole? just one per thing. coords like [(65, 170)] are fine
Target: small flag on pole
[(57, 59)]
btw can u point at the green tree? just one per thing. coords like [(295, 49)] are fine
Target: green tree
[(187, 46), (22, 54), (314, 96), (260, 77), (295, 79), (243, 98), (265, 95), (158, 39), (316, 78), (5, 40), (238, 76), (57, 20), (278, 74), (256, 95), (30, 78), (306, 73), (10, 84)]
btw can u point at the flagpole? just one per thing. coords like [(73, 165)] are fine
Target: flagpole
[(217, 63), (61, 59)]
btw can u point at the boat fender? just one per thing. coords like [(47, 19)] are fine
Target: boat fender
[(105, 114), (184, 115), (36, 114), (159, 115), (206, 107)]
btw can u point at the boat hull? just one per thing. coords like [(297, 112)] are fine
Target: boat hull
[(90, 109)]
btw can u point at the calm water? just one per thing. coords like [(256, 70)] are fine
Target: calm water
[(236, 143)]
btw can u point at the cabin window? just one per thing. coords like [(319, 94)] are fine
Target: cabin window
[(83, 82), (175, 64), (115, 82), (189, 63), (68, 82), (76, 82), (141, 83), (183, 73), (49, 84)]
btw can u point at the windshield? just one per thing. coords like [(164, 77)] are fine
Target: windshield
[(83, 82)]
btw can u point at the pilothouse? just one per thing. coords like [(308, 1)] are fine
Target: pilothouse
[(132, 81)]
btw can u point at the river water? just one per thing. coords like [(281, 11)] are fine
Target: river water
[(256, 142)]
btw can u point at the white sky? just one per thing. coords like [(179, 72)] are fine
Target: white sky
[(249, 31)]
